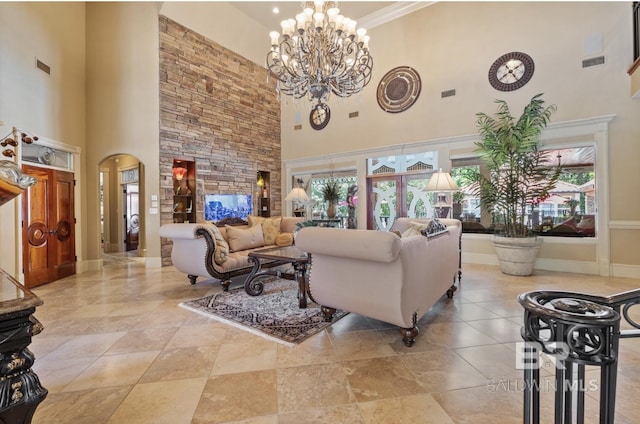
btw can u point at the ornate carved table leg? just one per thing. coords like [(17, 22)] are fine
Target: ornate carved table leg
[(20, 389), (252, 286)]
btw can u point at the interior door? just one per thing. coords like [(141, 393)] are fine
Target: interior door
[(393, 196), (131, 216), (48, 227)]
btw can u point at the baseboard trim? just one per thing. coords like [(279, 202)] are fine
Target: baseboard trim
[(626, 271), (577, 267), (88, 265)]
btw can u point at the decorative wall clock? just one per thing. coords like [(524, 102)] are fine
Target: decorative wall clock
[(511, 71), (399, 89), (319, 116)]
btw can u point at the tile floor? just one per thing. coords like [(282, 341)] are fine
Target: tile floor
[(116, 348)]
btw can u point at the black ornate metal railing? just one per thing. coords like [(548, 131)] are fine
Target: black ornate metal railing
[(577, 330), (636, 30)]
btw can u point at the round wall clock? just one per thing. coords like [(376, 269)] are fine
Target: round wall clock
[(511, 71), (319, 116), (399, 89)]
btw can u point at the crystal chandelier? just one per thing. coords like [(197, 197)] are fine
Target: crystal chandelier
[(320, 52)]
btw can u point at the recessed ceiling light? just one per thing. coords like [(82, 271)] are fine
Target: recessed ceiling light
[(276, 10)]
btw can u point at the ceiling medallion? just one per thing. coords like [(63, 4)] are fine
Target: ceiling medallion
[(399, 89)]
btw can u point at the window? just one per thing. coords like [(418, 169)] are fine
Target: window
[(569, 210), (316, 207)]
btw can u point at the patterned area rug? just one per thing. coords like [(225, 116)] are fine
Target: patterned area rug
[(274, 314)]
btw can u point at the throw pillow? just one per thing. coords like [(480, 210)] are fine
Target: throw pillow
[(243, 239), (270, 227), (284, 239), (270, 230), (414, 229), (255, 220)]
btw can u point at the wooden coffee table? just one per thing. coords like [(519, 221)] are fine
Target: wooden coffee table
[(253, 284)]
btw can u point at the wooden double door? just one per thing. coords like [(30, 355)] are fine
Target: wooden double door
[(48, 227)]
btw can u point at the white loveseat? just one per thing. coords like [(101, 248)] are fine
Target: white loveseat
[(380, 274), (206, 250)]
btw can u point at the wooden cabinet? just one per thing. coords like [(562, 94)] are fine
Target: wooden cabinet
[(184, 191), (264, 199)]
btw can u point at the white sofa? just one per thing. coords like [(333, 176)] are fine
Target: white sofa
[(206, 250), (380, 274)]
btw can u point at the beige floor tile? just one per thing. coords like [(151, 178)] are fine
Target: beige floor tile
[(81, 407), (246, 356), (55, 376), (493, 361), (455, 335), (501, 329), (350, 414), (235, 397), (442, 370), (271, 419), (381, 378), (317, 349), (420, 409), (312, 386), (360, 345), (113, 370), (481, 405), (166, 402), (181, 363), (142, 341), (86, 345), (199, 335)]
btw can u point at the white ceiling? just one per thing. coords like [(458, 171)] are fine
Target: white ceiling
[(262, 11)]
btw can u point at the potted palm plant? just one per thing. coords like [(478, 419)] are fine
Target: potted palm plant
[(519, 175), (331, 194)]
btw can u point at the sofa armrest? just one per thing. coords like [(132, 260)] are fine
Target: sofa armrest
[(179, 231)]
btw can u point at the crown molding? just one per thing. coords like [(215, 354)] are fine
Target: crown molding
[(392, 12)]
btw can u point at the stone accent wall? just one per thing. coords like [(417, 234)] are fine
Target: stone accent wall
[(218, 109)]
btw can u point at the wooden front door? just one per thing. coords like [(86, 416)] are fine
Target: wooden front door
[(48, 227)]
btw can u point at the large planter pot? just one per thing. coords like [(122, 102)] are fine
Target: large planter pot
[(331, 210), (517, 255)]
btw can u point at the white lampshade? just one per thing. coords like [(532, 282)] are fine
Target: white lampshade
[(297, 194), (441, 182)]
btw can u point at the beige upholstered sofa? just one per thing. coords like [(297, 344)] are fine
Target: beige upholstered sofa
[(391, 278), (207, 250)]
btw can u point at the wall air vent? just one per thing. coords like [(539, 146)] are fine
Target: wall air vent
[(43, 67), (593, 61), (354, 114), (448, 93), (297, 127)]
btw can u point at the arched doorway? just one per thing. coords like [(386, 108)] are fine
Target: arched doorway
[(121, 220)]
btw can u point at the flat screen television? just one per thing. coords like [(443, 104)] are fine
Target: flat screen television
[(219, 206)]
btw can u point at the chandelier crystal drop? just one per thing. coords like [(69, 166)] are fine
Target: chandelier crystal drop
[(320, 52)]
